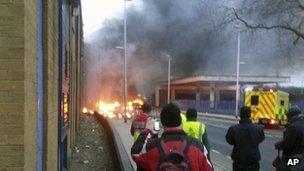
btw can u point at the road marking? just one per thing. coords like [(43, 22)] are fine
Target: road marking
[(215, 151), (270, 136), (218, 126), (273, 136)]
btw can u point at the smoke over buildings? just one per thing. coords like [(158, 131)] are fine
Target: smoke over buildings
[(193, 33)]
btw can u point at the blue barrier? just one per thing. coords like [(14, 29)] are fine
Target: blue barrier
[(300, 104), (221, 107)]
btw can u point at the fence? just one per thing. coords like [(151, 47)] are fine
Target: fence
[(300, 104), (220, 107)]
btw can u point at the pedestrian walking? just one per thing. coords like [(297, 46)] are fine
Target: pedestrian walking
[(292, 144), (245, 138), (174, 150), (196, 129)]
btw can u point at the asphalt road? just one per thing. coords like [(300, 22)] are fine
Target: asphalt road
[(217, 129)]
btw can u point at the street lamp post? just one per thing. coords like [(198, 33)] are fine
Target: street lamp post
[(302, 84), (169, 75), (125, 61), (237, 74)]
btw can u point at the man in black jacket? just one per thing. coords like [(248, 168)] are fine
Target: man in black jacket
[(293, 140), (245, 138)]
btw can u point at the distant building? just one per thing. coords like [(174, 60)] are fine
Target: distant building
[(40, 82), (211, 88)]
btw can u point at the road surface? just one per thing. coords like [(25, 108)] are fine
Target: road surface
[(217, 129)]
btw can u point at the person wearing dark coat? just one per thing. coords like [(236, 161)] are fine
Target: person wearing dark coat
[(292, 144), (245, 138), (293, 141)]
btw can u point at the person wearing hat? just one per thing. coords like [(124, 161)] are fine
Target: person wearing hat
[(245, 138), (293, 139), (173, 138), (195, 129)]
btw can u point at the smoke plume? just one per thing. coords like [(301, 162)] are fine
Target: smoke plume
[(193, 34)]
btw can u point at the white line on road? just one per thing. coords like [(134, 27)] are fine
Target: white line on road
[(215, 151), (218, 126), (273, 136), (270, 136)]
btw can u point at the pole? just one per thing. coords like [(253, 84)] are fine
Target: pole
[(302, 84), (237, 75), (169, 73), (125, 62)]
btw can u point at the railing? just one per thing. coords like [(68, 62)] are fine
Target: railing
[(220, 107), (300, 104)]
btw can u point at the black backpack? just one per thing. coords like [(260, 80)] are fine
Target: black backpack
[(174, 159)]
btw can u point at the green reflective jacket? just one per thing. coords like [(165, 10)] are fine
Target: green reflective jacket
[(194, 129), (197, 130)]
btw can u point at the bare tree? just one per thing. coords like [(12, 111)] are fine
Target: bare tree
[(272, 14)]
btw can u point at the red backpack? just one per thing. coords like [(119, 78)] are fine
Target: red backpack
[(174, 159)]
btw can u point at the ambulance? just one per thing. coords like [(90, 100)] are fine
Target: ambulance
[(268, 106)]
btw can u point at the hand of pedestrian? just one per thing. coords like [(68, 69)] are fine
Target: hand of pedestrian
[(150, 126)]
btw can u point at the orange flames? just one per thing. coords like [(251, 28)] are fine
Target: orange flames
[(107, 109), (114, 109)]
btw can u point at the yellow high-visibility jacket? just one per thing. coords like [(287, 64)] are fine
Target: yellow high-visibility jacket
[(198, 131)]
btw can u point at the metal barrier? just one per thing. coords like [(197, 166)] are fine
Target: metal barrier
[(300, 104)]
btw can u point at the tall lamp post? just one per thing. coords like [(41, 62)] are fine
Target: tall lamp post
[(169, 75), (237, 73), (125, 61)]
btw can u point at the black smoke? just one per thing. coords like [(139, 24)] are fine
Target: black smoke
[(194, 33)]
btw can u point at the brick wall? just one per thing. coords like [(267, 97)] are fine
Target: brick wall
[(18, 84), (50, 45), (11, 84), (30, 85)]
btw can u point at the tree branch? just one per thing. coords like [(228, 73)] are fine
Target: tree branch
[(300, 5), (262, 26)]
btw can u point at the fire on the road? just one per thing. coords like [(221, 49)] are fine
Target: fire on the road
[(107, 109), (115, 109)]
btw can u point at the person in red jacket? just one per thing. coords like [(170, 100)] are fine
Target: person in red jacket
[(164, 153), (140, 121)]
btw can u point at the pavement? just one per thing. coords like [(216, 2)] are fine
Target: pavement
[(217, 129), (123, 129)]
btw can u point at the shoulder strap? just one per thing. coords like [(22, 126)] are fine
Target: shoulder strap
[(160, 149)]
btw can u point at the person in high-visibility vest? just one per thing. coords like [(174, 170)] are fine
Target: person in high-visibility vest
[(196, 129)]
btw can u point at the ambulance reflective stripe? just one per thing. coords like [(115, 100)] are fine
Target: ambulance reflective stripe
[(194, 129), (265, 107), (254, 109), (268, 105), (270, 102), (248, 98)]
